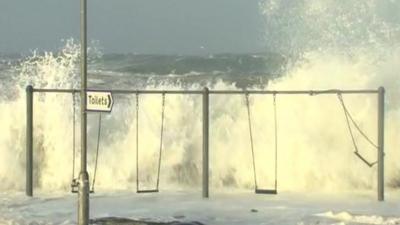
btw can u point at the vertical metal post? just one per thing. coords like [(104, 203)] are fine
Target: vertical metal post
[(83, 189), (205, 143), (29, 140), (381, 154)]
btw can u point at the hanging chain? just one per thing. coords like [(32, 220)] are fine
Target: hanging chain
[(348, 119), (137, 141), (73, 137), (348, 116), (251, 138), (161, 138), (97, 153)]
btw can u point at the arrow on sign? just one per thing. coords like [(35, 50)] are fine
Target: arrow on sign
[(110, 101), (99, 101)]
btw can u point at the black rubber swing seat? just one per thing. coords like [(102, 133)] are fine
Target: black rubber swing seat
[(148, 191), (266, 191)]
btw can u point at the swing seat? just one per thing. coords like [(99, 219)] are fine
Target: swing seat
[(256, 189), (147, 191), (364, 160), (266, 191), (156, 188), (349, 119)]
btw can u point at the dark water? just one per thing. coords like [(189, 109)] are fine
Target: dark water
[(132, 71), (241, 69), (228, 64)]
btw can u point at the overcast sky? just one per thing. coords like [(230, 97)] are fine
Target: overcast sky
[(140, 26)]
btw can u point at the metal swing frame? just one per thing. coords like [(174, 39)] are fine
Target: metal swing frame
[(156, 189), (205, 93), (258, 190)]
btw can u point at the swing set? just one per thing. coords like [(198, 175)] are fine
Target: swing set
[(352, 126), (138, 188), (258, 190), (74, 179), (348, 119)]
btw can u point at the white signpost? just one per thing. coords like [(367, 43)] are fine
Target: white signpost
[(99, 101)]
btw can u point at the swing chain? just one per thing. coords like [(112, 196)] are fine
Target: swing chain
[(354, 123), (73, 136), (348, 119), (263, 191), (75, 182), (137, 141), (161, 138), (97, 154), (160, 149), (251, 138)]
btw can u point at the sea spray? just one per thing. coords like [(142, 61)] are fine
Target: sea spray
[(352, 44), (314, 147)]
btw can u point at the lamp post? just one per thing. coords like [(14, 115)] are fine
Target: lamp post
[(83, 189)]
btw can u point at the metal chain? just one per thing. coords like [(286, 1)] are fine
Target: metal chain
[(348, 119), (354, 123), (348, 116), (137, 141), (73, 137), (97, 153), (161, 138), (251, 138)]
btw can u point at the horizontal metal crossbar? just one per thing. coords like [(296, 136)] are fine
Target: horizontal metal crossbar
[(270, 92)]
